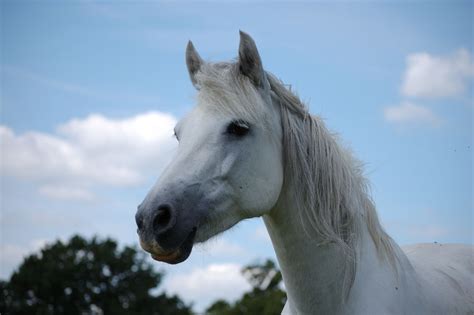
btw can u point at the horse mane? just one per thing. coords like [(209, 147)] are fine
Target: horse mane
[(330, 192)]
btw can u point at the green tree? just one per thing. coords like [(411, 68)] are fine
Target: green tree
[(86, 277), (266, 297)]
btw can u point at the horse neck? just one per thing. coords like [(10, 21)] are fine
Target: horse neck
[(320, 274), (314, 272), (311, 274)]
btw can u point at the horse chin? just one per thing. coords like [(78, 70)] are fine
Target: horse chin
[(178, 255)]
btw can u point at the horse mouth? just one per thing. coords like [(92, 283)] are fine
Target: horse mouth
[(178, 255)]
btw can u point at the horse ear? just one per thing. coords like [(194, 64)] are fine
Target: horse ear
[(250, 63), (194, 62)]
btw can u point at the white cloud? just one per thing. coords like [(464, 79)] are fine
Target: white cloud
[(429, 76), (207, 284), (409, 113), (85, 152)]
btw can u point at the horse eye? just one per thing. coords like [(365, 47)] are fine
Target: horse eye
[(176, 135), (238, 128)]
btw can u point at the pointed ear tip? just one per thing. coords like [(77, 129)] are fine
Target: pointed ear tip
[(243, 34), (191, 51), (246, 40)]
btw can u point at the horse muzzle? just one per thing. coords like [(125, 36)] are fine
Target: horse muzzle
[(163, 234)]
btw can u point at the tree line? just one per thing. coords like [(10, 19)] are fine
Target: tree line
[(95, 276)]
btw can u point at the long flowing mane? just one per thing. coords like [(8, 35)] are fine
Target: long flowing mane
[(331, 192), (329, 189)]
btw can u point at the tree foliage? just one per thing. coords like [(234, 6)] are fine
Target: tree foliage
[(266, 297), (86, 277)]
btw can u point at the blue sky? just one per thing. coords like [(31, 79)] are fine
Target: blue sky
[(90, 91)]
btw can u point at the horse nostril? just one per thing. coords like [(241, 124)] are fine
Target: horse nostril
[(164, 219)]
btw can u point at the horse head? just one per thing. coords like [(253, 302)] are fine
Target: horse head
[(229, 162)]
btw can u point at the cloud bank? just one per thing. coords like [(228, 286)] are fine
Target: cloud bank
[(430, 77), (92, 151)]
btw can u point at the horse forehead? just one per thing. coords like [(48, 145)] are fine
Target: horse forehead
[(200, 122), (206, 114)]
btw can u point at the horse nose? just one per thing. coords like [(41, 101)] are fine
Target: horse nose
[(164, 220)]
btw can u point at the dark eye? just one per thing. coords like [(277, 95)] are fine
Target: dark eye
[(238, 128), (176, 135)]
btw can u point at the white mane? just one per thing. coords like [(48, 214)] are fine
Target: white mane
[(328, 183)]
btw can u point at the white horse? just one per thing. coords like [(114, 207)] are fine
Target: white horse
[(250, 148)]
